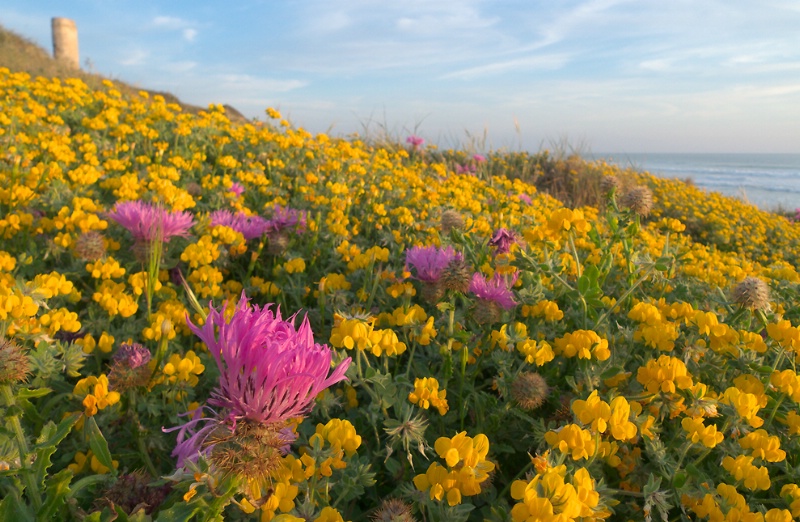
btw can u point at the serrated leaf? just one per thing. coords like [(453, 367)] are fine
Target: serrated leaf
[(47, 443), (12, 508), (57, 488), (99, 444), (26, 393)]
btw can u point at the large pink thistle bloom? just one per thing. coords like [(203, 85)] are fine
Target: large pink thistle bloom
[(429, 262), (149, 223), (270, 372), (250, 227), (495, 290)]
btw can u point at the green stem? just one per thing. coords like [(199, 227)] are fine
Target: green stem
[(621, 299), (31, 487)]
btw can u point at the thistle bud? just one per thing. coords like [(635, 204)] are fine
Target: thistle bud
[(90, 246), (451, 220), (752, 293), (609, 184), (639, 200), (194, 189), (487, 312), (393, 510), (14, 364), (277, 243), (456, 276), (251, 450), (432, 292), (529, 390), (133, 491)]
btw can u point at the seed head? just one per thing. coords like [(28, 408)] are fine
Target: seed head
[(194, 189), (752, 293), (452, 220), (432, 292), (251, 451), (487, 312), (14, 363), (456, 276), (609, 184), (639, 200), (132, 491), (393, 510), (90, 246), (278, 241), (129, 367), (530, 390)]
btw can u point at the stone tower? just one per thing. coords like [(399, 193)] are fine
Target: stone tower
[(65, 42)]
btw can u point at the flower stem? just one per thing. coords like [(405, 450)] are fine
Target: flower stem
[(22, 446)]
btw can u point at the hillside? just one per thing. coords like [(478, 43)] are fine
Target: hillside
[(20, 54)]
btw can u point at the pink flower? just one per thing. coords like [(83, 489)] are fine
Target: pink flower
[(430, 262), (150, 223), (525, 199), (270, 371), (286, 218), (237, 189), (250, 226), (415, 141), (479, 158), (495, 290), (502, 240)]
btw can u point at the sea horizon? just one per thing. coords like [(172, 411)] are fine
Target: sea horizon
[(768, 180)]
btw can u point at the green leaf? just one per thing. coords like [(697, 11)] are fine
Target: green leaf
[(26, 393), (180, 512), (47, 443), (57, 488), (12, 508), (99, 445), (679, 480)]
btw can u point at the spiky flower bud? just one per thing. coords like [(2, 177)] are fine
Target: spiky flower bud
[(752, 293), (393, 510), (133, 491), (194, 189), (432, 292), (452, 220), (90, 246), (456, 276), (277, 243), (487, 312), (14, 363), (609, 184), (252, 451), (639, 200), (529, 390), (129, 367)]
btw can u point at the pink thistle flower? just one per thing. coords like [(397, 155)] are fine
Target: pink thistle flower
[(525, 199), (479, 158), (502, 240), (430, 262), (270, 372), (286, 218), (250, 227), (495, 290), (237, 189), (415, 141), (150, 223)]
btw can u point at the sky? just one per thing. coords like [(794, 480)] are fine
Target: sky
[(593, 76)]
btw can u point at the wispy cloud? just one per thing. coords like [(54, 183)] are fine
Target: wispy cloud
[(527, 64), (186, 28)]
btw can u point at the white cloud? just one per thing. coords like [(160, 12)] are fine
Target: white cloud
[(189, 34), (524, 64), (134, 57), (169, 22)]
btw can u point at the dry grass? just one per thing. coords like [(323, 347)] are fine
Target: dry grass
[(20, 54)]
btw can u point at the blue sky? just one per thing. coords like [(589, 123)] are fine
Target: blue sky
[(600, 75)]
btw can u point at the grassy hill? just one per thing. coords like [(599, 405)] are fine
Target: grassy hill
[(20, 54)]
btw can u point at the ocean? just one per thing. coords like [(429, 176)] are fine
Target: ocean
[(769, 181)]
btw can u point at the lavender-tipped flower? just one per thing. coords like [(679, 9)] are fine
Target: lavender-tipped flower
[(502, 240), (429, 262), (270, 372), (150, 223), (250, 227), (495, 290)]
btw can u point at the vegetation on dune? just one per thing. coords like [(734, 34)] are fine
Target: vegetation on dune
[(202, 319)]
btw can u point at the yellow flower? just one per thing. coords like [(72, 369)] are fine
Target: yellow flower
[(593, 411), (427, 393), (96, 394), (696, 431)]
